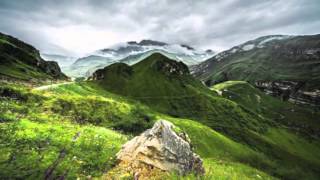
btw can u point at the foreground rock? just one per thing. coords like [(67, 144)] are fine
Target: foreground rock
[(160, 148)]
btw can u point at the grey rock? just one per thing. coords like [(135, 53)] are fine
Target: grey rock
[(161, 147)]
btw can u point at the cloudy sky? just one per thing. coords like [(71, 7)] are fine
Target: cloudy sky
[(77, 27)]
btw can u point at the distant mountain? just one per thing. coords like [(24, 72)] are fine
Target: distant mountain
[(133, 52), (19, 60), (63, 61), (284, 66)]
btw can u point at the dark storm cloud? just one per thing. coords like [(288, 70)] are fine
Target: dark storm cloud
[(82, 25)]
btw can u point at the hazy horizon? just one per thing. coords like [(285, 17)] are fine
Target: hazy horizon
[(80, 27)]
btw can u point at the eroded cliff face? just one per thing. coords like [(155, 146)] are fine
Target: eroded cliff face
[(160, 148), (293, 91)]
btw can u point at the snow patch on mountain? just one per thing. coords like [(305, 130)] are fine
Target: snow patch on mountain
[(262, 43), (273, 38), (248, 47)]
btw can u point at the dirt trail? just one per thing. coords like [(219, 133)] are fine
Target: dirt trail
[(52, 86)]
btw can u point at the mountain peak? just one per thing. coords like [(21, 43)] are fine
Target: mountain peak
[(187, 46), (148, 42)]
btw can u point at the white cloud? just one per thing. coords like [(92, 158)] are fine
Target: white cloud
[(82, 26)]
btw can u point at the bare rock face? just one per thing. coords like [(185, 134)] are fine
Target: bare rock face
[(161, 148), (293, 91)]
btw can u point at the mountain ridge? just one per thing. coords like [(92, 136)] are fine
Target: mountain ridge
[(288, 66)]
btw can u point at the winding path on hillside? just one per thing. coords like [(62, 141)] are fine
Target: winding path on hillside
[(51, 86)]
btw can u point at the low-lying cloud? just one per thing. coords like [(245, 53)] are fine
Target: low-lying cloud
[(82, 26)]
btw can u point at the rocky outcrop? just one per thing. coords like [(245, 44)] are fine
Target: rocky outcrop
[(161, 148), (293, 91), (52, 68), (121, 70), (169, 67)]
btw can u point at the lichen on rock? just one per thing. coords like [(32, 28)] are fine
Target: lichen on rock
[(163, 149)]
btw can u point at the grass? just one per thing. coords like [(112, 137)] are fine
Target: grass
[(31, 150), (59, 114), (175, 92), (222, 170), (277, 152), (301, 119)]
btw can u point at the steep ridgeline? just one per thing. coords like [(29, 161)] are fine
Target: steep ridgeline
[(133, 52), (21, 61), (284, 66)]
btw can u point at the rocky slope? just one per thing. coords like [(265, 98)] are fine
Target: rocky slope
[(160, 148), (133, 52), (19, 60), (285, 66)]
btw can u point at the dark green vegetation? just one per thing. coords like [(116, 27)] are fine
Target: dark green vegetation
[(20, 61)]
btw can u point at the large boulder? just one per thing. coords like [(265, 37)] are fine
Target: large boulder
[(162, 148)]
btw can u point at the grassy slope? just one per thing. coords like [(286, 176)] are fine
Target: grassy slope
[(18, 60), (285, 113), (285, 155), (12, 67), (224, 158), (177, 95), (33, 150), (37, 127)]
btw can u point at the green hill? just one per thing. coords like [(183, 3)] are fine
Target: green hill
[(21, 61), (167, 87)]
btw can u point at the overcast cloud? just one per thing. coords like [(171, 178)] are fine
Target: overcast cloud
[(82, 26)]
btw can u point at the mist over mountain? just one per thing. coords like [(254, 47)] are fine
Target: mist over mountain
[(132, 52)]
